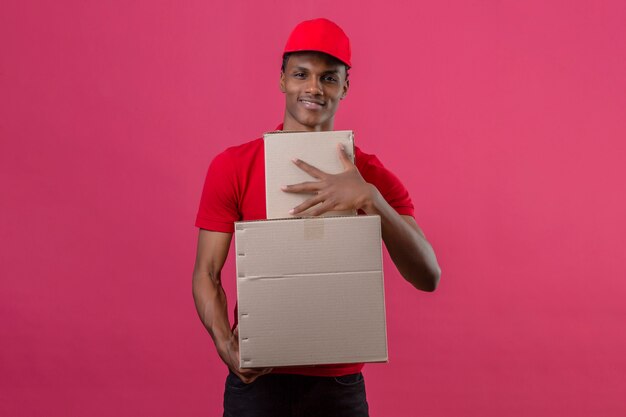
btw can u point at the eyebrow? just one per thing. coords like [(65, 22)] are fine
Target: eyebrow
[(333, 71)]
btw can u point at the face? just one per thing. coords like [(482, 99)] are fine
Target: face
[(313, 84)]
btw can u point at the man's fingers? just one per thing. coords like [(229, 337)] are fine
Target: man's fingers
[(307, 204), (322, 208), (265, 372), (309, 169), (246, 378), (254, 372), (250, 375), (303, 187), (343, 156)]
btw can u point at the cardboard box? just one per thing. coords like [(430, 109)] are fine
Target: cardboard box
[(315, 148), (310, 291)]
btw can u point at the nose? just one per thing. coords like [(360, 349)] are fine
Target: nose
[(314, 87)]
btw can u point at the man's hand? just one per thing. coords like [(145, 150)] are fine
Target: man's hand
[(231, 358), (407, 245), (345, 191)]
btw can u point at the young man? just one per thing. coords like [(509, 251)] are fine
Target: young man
[(314, 79)]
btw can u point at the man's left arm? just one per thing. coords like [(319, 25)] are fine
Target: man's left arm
[(410, 251)]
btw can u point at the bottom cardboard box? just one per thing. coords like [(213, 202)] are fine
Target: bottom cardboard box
[(310, 291)]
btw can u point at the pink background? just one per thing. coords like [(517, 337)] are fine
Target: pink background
[(505, 120)]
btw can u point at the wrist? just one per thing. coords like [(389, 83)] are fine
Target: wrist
[(370, 202)]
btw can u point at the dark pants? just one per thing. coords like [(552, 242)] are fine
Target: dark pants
[(282, 395)]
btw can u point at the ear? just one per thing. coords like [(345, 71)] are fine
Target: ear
[(282, 82), (346, 87)]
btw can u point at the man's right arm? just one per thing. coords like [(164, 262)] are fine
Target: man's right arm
[(210, 300)]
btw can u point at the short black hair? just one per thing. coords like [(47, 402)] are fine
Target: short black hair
[(288, 54)]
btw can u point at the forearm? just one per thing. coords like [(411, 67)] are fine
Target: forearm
[(212, 308), (211, 304), (410, 251)]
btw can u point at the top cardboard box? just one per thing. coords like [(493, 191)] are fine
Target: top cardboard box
[(315, 148)]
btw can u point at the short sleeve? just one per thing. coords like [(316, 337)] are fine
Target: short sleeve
[(386, 182), (219, 202)]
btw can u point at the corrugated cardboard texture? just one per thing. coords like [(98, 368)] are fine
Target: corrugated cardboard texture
[(316, 148), (310, 291)]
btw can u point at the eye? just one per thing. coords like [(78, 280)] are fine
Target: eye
[(330, 79), (299, 75)]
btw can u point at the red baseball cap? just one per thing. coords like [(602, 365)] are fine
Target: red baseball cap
[(320, 35)]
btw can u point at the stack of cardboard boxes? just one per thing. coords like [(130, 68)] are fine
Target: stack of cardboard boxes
[(310, 290)]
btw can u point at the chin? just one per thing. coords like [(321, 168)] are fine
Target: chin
[(312, 122)]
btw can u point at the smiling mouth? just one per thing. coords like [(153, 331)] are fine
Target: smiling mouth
[(312, 104)]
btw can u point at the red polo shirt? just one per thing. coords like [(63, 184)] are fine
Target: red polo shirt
[(234, 190)]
